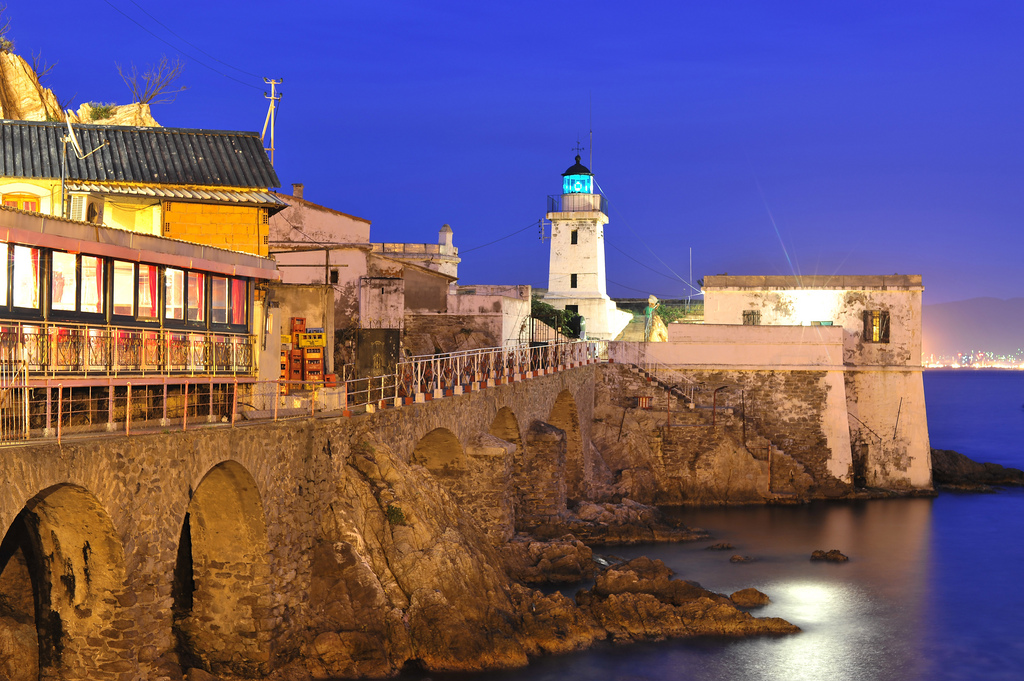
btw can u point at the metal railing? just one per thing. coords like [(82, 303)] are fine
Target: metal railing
[(49, 349), (436, 375), (38, 406), (574, 203)]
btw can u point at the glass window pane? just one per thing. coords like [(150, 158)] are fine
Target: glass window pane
[(174, 301), (196, 297), (26, 277), (219, 304), (64, 282), (92, 284), (239, 302), (124, 288), (147, 291), (3, 274)]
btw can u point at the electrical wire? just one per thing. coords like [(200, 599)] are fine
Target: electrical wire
[(198, 61), (665, 296), (695, 289), (489, 243), (638, 262), (166, 28)]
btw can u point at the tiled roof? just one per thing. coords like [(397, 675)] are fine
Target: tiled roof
[(165, 156)]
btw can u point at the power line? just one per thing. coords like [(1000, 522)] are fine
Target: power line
[(638, 262), (601, 189), (172, 46), (646, 293), (467, 250), (191, 44)]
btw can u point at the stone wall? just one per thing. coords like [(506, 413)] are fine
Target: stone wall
[(312, 542), (763, 436)]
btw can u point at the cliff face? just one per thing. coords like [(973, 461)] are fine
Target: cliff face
[(22, 97)]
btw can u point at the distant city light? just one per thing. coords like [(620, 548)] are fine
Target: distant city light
[(976, 359)]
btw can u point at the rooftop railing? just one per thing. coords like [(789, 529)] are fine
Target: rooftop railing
[(572, 203)]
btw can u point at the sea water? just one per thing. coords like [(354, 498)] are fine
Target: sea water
[(933, 589)]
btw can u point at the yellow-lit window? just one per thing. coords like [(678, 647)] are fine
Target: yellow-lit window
[(174, 294), (63, 282), (124, 288), (26, 277), (22, 202), (196, 297), (219, 300), (92, 284), (148, 277)]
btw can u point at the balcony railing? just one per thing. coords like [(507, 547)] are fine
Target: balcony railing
[(81, 349), (574, 203)]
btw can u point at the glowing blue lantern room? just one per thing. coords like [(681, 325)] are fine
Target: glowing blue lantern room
[(578, 179)]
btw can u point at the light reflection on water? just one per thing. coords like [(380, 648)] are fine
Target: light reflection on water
[(931, 592)]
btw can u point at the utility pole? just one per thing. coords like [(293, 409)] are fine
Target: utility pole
[(271, 120)]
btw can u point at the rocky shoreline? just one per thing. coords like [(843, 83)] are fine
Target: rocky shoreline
[(430, 588), (954, 471)]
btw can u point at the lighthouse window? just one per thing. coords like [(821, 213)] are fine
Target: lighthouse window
[(572, 281), (574, 236)]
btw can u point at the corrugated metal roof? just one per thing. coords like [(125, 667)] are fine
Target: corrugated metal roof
[(226, 195), (176, 156)]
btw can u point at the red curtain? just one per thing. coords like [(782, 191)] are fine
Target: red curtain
[(238, 301)]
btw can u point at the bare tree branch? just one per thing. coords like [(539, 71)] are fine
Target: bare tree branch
[(41, 68), (153, 83), (5, 26)]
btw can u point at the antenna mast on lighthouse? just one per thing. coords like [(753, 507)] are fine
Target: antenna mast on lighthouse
[(271, 120)]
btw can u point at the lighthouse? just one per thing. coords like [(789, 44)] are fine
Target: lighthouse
[(576, 269)]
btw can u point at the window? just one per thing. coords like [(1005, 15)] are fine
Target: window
[(334, 276), (574, 237), (124, 288), (92, 285), (572, 281), (174, 294), (876, 326), (148, 277), (239, 302), (22, 202), (26, 277), (63, 282), (219, 300), (196, 297), (575, 309), (751, 318)]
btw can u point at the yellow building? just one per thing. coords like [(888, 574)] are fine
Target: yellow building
[(209, 187)]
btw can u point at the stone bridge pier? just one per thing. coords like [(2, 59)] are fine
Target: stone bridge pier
[(137, 557)]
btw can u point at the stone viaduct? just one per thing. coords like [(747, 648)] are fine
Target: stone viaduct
[(125, 557)]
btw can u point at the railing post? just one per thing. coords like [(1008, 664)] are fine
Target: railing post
[(184, 413), (210, 418), (49, 409), (60, 405), (234, 403), (164, 421), (128, 410), (110, 405), (277, 396)]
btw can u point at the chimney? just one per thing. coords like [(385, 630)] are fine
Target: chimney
[(297, 190)]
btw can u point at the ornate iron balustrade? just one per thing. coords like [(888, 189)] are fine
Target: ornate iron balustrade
[(437, 375)]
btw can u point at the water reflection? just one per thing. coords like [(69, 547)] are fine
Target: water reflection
[(931, 592)]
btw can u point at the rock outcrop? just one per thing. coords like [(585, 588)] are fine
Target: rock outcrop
[(23, 97), (749, 598), (831, 556), (639, 600), (953, 469)]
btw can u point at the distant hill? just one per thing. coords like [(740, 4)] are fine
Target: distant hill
[(986, 324)]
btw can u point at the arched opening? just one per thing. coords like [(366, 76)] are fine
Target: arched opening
[(62, 576), (441, 453), (220, 590), (565, 416)]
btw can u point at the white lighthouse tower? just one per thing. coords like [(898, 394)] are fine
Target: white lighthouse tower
[(576, 271)]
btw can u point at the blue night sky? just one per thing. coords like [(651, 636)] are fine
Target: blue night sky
[(856, 137)]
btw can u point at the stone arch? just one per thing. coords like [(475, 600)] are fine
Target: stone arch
[(441, 453), (62, 578), (565, 416), (220, 589)]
